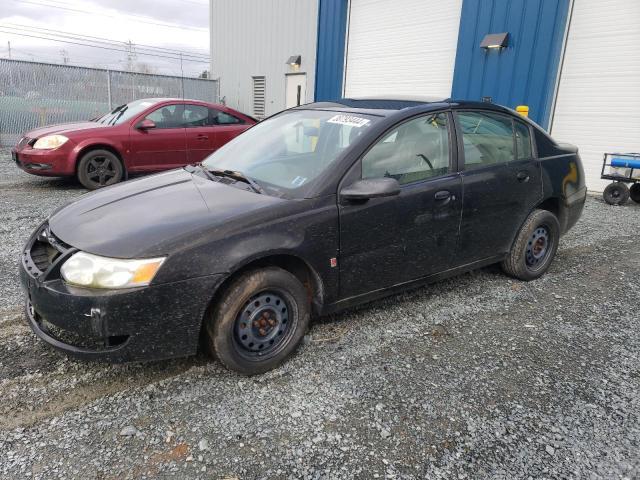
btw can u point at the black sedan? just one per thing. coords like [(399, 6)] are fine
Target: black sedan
[(318, 208)]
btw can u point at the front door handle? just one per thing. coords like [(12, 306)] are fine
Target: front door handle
[(443, 195), (523, 176), (202, 136)]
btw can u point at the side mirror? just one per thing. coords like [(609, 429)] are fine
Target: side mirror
[(373, 188), (146, 124)]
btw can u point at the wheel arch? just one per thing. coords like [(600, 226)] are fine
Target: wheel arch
[(556, 206), (100, 146), (292, 263)]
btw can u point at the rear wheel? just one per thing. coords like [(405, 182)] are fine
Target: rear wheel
[(634, 192), (99, 168), (616, 193), (259, 321), (535, 246)]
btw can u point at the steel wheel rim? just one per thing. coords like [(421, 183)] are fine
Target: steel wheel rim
[(264, 325), (102, 169), (538, 247)]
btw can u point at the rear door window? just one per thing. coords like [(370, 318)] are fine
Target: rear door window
[(196, 116), (487, 139), (223, 118)]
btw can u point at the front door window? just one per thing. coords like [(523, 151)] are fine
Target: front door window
[(169, 116), (414, 151)]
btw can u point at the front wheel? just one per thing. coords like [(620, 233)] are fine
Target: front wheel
[(535, 246), (259, 321), (99, 168)]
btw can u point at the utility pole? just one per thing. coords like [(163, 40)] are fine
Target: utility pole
[(181, 76), (65, 56), (131, 55), (10, 70)]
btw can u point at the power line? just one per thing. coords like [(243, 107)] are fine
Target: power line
[(100, 40), (50, 58), (24, 55), (97, 46), (59, 7)]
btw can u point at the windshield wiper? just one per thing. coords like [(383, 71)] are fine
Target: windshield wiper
[(120, 113), (106, 118), (236, 175)]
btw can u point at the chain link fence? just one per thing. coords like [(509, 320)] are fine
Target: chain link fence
[(37, 94)]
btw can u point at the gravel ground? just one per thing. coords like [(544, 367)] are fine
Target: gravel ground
[(480, 376)]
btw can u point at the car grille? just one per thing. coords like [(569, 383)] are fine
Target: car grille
[(42, 254), (227, 180), (43, 251)]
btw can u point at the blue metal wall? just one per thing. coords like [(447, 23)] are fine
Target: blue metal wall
[(525, 72), (332, 27)]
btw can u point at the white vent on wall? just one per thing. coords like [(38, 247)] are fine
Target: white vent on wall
[(259, 86)]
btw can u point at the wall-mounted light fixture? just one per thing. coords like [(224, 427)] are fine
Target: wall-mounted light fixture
[(495, 40), (294, 61)]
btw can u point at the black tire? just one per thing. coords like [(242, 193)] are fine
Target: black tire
[(616, 193), (535, 246), (258, 296), (634, 192), (99, 168)]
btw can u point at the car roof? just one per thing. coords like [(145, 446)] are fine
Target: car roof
[(175, 99), (389, 105)]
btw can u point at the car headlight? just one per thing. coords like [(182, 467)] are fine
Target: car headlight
[(87, 270), (50, 142)]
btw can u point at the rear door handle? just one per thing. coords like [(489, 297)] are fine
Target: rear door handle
[(523, 176), (443, 195), (202, 136)]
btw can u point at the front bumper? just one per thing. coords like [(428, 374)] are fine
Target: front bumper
[(147, 323), (54, 163)]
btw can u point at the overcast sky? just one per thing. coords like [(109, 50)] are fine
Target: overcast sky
[(176, 24)]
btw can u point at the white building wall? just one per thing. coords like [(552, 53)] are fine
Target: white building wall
[(598, 102), (255, 38)]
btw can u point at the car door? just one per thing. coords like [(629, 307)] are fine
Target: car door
[(199, 132), (391, 240), (226, 126), (162, 146), (500, 185)]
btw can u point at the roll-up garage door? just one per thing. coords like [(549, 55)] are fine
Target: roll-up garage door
[(404, 47), (598, 102)]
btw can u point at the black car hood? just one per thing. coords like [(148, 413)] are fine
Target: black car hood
[(151, 216)]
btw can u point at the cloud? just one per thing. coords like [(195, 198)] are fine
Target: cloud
[(189, 12), (120, 20)]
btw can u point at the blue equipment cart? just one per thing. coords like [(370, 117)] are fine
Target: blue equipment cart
[(622, 168)]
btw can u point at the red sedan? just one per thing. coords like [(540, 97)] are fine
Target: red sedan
[(146, 135)]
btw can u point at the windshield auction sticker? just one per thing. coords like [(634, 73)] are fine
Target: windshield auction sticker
[(349, 120)]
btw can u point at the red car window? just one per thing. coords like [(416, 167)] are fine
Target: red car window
[(169, 116)]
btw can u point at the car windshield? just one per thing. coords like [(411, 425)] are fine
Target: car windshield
[(285, 153), (125, 112)]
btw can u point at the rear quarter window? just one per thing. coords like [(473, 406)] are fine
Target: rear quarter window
[(523, 141)]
